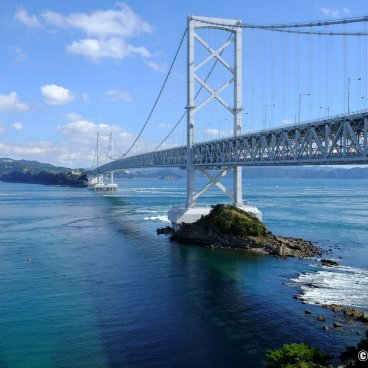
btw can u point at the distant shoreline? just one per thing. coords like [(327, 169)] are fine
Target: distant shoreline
[(68, 179)]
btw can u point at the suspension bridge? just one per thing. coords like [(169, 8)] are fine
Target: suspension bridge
[(331, 140)]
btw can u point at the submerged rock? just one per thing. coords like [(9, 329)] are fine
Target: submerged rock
[(230, 227), (328, 263), (354, 313), (165, 230)]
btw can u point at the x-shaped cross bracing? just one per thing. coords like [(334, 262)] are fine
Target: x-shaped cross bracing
[(214, 180), (214, 93)]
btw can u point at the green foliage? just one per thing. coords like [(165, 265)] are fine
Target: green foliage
[(49, 178), (233, 220), (295, 356)]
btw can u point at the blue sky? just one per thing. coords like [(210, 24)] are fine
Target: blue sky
[(70, 69)]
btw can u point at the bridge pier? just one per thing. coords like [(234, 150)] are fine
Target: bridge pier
[(191, 212)]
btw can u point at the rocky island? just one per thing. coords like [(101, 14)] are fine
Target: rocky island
[(227, 226)]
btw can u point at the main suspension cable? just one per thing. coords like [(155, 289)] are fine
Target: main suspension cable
[(280, 26), (319, 33), (158, 97)]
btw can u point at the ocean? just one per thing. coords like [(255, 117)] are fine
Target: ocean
[(86, 282)]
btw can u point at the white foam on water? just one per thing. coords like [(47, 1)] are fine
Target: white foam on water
[(162, 218), (340, 285), (147, 211), (11, 195)]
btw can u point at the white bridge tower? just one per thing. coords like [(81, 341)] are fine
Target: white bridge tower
[(191, 213)]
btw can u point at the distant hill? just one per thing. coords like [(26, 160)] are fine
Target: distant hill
[(8, 165), (34, 172)]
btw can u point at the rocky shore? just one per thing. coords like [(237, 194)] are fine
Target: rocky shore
[(353, 313), (227, 226)]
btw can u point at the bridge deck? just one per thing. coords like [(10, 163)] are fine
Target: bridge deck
[(334, 141)]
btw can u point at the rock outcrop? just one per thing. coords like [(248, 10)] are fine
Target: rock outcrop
[(328, 263), (227, 226), (354, 313)]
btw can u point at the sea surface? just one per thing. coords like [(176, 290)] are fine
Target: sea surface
[(86, 282)]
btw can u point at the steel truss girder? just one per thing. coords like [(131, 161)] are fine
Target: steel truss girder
[(337, 141)]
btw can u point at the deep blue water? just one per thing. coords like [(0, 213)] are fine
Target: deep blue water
[(103, 290)]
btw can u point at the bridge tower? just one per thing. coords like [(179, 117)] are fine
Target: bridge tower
[(191, 212)]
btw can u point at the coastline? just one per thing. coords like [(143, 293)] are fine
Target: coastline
[(68, 178)]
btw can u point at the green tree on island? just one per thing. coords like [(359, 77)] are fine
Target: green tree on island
[(296, 356)]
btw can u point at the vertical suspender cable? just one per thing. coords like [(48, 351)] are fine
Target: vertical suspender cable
[(310, 59), (345, 59)]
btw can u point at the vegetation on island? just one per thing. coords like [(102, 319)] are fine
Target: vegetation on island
[(299, 355), (34, 172), (296, 356), (68, 178), (235, 221)]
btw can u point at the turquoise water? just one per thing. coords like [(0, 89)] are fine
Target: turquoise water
[(103, 290)]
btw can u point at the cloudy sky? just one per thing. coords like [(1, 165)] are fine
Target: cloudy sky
[(70, 69)]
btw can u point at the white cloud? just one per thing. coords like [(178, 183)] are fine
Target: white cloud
[(83, 127), (116, 95), (50, 152), (114, 48), (105, 33), (32, 148), (335, 13), (75, 146), (81, 137), (30, 21), (56, 95), (2, 129), (73, 116), (17, 126), (11, 102), (157, 67), (78, 127), (122, 22)]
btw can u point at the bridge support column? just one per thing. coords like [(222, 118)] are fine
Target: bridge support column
[(191, 212), (190, 203), (238, 108)]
